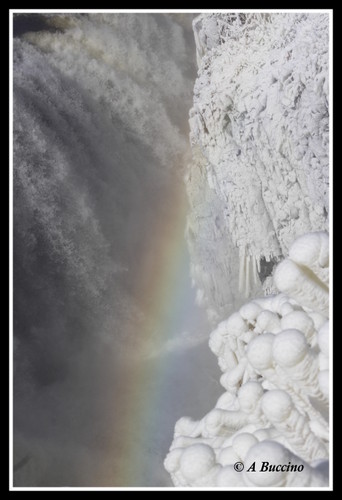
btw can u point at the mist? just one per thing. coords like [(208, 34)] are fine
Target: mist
[(100, 147)]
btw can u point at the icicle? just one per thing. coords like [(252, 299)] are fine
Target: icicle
[(247, 276), (255, 274), (242, 271), (258, 263)]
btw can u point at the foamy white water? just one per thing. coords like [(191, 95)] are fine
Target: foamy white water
[(103, 308)]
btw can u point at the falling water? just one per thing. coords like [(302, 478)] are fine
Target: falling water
[(104, 312)]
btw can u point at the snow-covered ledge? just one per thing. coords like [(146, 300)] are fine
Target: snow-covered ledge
[(270, 426)]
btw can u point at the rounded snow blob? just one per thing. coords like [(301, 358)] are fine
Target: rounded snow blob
[(249, 394), (264, 453), (289, 347), (243, 442), (196, 461), (259, 351), (276, 405)]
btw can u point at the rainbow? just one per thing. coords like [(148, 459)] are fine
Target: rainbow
[(163, 285)]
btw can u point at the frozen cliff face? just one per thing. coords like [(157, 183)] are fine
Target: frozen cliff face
[(259, 134), (274, 355)]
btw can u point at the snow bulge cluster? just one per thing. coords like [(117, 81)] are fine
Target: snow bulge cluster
[(274, 355)]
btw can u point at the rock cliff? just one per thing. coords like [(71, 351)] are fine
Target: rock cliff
[(259, 134)]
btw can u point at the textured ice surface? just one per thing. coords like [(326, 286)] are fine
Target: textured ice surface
[(259, 133), (275, 365), (258, 190)]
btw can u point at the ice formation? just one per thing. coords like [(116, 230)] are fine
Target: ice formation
[(258, 191), (274, 354), (259, 135)]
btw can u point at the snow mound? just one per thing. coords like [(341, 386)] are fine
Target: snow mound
[(273, 417)]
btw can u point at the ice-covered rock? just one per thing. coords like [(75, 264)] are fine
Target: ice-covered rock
[(259, 135), (273, 417)]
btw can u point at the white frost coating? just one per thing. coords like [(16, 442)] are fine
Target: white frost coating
[(317, 318), (197, 461), (278, 407), (278, 454), (312, 250), (323, 338), (259, 353), (268, 321), (303, 277), (250, 312), (259, 135), (301, 321), (323, 380), (323, 357), (289, 348), (274, 354)]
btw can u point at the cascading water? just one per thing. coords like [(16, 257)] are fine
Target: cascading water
[(103, 308)]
